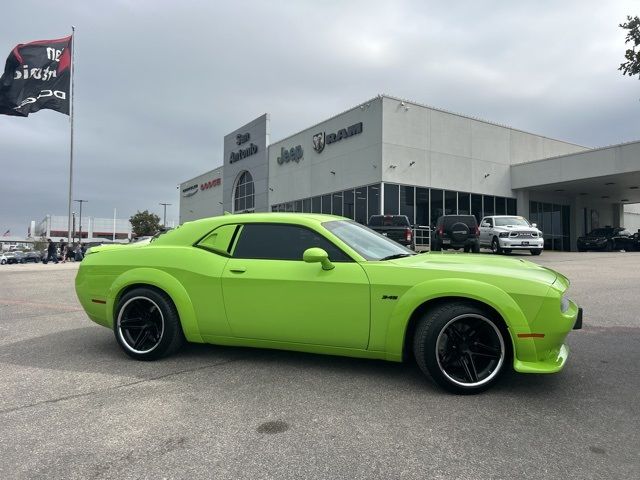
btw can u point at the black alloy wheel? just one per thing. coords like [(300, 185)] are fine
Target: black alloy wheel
[(147, 326), (495, 246), (536, 251), (461, 347)]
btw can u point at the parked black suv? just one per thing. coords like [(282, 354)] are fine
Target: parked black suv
[(607, 239), (456, 231), (395, 227)]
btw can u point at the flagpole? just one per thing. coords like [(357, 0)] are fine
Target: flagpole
[(71, 93)]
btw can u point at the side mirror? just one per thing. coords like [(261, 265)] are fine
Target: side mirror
[(318, 255), (534, 225)]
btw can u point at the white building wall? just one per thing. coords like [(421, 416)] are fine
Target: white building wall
[(207, 201), (632, 217), (430, 147), (356, 160)]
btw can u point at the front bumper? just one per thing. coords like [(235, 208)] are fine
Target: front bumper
[(521, 243), (542, 348)]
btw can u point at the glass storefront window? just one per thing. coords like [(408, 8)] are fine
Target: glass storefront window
[(391, 199), (450, 203), (336, 208), (315, 205), (361, 205), (512, 206), (437, 205), (348, 205), (422, 206), (373, 200), (476, 207), (407, 203), (488, 205), (501, 206), (326, 204), (464, 203), (556, 220), (533, 214), (298, 206), (546, 219), (306, 205)]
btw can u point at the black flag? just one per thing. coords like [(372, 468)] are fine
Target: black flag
[(37, 76)]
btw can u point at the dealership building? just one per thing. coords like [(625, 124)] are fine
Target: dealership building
[(394, 156)]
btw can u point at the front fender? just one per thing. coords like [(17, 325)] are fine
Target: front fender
[(423, 292), (165, 282)]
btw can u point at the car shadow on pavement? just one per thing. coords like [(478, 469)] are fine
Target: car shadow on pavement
[(93, 350)]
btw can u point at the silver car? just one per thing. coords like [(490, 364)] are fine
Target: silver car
[(504, 233)]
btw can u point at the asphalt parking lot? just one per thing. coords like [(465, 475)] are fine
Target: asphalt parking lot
[(73, 406)]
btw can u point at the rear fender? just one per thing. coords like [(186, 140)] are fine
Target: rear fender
[(165, 282)]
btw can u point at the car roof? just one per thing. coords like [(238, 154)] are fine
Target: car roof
[(189, 232)]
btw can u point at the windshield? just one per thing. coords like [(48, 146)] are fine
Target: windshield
[(601, 232), (515, 221), (366, 242)]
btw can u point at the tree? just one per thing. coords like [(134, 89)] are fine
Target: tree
[(145, 223), (632, 66)]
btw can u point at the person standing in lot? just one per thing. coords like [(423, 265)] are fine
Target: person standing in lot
[(51, 252), (77, 253), (63, 250)]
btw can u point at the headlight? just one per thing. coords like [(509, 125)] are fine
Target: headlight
[(503, 234)]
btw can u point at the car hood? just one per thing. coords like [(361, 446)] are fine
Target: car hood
[(516, 228), (480, 264)]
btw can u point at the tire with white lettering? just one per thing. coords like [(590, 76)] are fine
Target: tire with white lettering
[(147, 325), (461, 346)]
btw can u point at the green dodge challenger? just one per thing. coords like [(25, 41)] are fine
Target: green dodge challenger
[(325, 284)]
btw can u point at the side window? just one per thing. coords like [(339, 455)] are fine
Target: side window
[(282, 242), (219, 240), (489, 221)]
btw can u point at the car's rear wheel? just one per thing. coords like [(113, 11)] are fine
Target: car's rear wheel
[(495, 245), (461, 346), (147, 325)]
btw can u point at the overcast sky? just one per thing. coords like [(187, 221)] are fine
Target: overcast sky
[(159, 83)]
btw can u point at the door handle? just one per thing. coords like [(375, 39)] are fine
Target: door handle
[(238, 270)]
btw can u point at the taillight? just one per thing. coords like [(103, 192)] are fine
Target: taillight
[(407, 234), (441, 230), (477, 231)]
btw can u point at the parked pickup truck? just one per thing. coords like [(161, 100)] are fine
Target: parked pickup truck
[(395, 227), (504, 233)]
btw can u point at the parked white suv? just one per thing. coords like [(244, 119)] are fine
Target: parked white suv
[(504, 233)]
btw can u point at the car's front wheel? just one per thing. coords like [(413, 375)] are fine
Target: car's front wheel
[(461, 346), (147, 326), (536, 251)]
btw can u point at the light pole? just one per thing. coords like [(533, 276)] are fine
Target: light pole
[(80, 219), (73, 230), (164, 218)]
